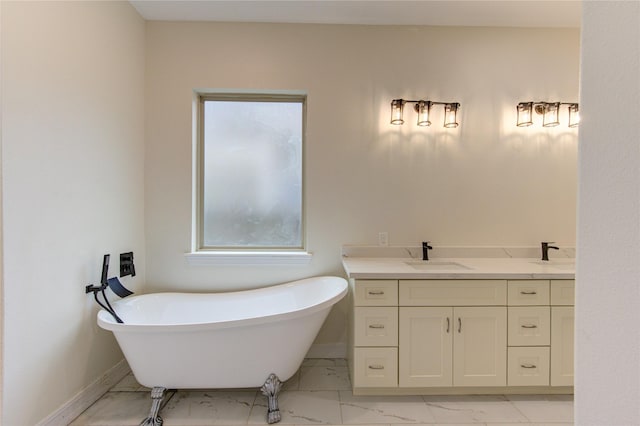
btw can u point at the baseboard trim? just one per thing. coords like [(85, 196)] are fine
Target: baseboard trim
[(87, 396), (327, 350)]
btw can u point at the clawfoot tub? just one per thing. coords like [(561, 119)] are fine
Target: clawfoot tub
[(243, 339)]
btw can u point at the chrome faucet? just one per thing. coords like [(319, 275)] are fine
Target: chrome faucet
[(425, 250), (545, 249)]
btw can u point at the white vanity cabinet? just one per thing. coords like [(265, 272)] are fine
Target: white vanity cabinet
[(529, 334), (442, 346), (373, 334), (420, 336), (460, 346), (540, 333)]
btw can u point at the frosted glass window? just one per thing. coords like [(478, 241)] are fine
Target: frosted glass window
[(252, 173)]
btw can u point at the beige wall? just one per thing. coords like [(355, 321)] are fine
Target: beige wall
[(608, 267), (485, 183), (72, 164), (73, 78)]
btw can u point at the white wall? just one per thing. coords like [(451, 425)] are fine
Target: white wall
[(73, 152), (1, 238), (486, 183), (608, 265)]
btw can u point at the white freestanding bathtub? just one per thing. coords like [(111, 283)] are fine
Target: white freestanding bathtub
[(221, 340)]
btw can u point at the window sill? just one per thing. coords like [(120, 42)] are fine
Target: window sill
[(249, 258)]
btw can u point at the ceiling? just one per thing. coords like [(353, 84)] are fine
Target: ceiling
[(505, 13)]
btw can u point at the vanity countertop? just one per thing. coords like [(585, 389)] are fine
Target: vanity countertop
[(458, 268)]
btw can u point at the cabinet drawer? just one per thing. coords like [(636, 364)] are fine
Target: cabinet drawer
[(376, 293), (528, 366), (562, 292), (375, 326), (452, 292), (528, 292), (375, 367), (529, 326)]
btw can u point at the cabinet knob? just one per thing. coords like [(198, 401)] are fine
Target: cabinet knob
[(376, 367)]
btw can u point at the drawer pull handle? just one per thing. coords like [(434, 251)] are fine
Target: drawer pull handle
[(459, 325), (448, 324), (376, 367), (527, 366), (376, 293), (376, 326), (529, 326), (529, 292)]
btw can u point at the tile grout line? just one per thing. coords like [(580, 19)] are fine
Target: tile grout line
[(518, 410), (340, 407), (253, 404)]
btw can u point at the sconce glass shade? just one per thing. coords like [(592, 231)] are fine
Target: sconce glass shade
[(397, 105), (525, 112), (551, 114), (574, 115), (423, 108), (451, 115)]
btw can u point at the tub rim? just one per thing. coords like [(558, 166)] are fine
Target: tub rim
[(107, 322)]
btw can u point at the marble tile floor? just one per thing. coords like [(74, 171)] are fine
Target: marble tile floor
[(319, 393)]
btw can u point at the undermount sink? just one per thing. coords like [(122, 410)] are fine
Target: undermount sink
[(557, 263), (431, 265)]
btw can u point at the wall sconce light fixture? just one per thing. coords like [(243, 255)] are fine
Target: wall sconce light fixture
[(574, 115), (423, 109), (550, 112)]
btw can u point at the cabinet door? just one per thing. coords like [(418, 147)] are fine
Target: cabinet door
[(425, 357), (480, 346), (562, 319)]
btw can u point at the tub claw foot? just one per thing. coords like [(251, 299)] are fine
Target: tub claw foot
[(271, 389), (157, 394)]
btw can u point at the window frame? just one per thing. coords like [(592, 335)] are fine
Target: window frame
[(201, 254)]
